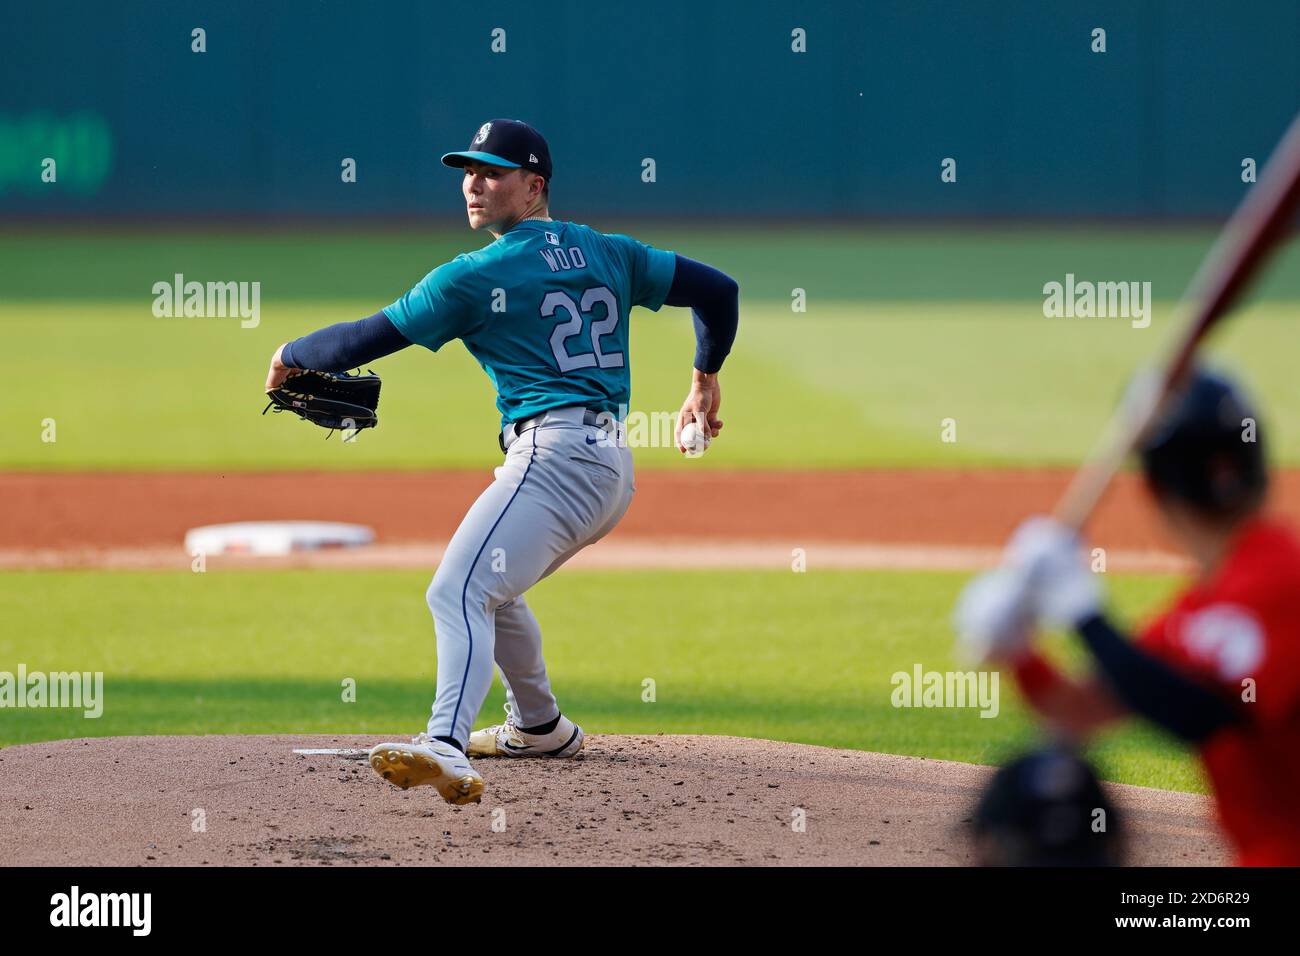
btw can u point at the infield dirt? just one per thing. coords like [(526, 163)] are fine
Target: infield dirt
[(628, 800)]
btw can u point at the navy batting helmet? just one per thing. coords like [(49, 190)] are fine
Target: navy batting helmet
[(1206, 449)]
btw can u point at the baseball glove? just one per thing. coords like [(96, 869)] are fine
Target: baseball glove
[(332, 400)]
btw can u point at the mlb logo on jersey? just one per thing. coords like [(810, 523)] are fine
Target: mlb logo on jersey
[(552, 238)]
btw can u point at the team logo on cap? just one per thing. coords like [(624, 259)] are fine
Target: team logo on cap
[(482, 133)]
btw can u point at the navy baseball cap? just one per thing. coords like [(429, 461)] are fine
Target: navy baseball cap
[(506, 142)]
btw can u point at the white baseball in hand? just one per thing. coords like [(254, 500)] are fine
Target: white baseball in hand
[(694, 440)]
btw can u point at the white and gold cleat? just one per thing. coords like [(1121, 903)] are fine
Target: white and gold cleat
[(425, 762), (507, 740)]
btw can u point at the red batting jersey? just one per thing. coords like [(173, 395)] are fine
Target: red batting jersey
[(1239, 629)]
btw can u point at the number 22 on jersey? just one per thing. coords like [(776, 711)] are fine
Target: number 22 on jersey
[(577, 311)]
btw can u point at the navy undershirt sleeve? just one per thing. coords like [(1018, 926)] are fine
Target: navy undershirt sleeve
[(345, 345), (714, 300), (1150, 687)]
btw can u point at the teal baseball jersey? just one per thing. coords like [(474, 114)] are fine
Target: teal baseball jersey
[(544, 309)]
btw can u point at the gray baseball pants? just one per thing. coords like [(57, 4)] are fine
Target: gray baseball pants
[(564, 484)]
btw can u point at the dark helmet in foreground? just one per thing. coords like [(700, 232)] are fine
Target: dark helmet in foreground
[(1047, 808), (1206, 449)]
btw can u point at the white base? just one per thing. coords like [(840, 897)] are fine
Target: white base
[(275, 537)]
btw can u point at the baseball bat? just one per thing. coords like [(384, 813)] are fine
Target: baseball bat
[(1250, 236)]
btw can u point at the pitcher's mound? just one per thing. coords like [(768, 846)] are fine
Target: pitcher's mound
[(627, 800)]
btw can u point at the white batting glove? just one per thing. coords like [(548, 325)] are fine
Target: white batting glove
[(1064, 591), (994, 616)]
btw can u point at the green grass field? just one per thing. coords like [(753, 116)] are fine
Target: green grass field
[(799, 657), (901, 332)]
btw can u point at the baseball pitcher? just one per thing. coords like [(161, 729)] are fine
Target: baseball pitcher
[(544, 308)]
